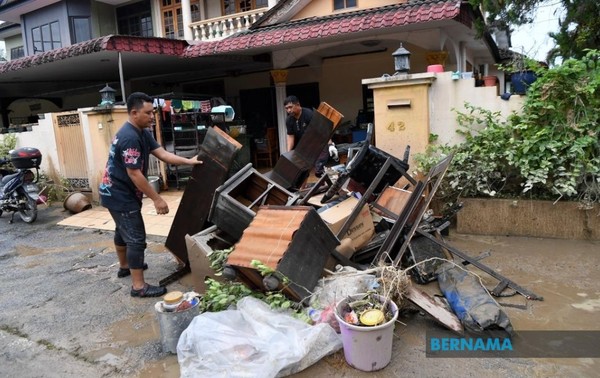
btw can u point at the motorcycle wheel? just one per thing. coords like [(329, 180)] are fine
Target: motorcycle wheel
[(29, 212)]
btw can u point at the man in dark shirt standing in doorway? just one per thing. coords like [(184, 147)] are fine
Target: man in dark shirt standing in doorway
[(123, 185), (296, 123)]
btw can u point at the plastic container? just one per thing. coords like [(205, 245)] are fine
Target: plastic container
[(435, 68), (367, 348), (172, 300), (521, 81), (227, 110), (155, 183), (172, 324)]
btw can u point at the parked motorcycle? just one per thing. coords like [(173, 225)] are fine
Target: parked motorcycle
[(19, 191)]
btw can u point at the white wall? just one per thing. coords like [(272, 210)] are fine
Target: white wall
[(11, 43), (41, 137), (447, 94)]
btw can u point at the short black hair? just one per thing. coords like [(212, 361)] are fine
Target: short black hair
[(291, 100), (136, 100)]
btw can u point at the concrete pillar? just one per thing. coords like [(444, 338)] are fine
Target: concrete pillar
[(402, 113), (280, 80), (186, 14), (202, 9)]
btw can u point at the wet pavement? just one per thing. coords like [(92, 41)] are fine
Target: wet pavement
[(66, 314)]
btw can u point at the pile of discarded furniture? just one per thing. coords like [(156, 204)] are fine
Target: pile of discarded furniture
[(370, 212)]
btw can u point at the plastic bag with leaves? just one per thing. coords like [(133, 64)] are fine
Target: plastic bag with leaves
[(252, 341)]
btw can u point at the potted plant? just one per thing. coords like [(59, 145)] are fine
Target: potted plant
[(522, 71)]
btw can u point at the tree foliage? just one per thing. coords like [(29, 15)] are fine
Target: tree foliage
[(579, 29)]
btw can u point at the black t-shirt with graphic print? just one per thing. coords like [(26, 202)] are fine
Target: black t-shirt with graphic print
[(130, 148), (296, 127)]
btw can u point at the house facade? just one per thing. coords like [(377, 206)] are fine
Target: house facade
[(252, 53), (326, 46)]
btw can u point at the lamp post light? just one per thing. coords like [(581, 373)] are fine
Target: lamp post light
[(401, 60), (107, 94)]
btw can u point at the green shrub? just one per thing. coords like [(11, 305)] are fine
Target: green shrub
[(549, 151), (9, 142)]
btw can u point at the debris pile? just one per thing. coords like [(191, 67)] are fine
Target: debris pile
[(364, 227)]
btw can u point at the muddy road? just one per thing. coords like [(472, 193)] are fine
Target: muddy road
[(64, 312)]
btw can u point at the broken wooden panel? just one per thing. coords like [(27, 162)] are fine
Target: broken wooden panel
[(333, 115), (236, 202), (318, 132), (391, 202), (293, 240), (199, 247), (440, 313), (217, 152), (293, 167), (290, 171)]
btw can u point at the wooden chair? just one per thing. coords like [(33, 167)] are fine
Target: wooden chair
[(267, 149)]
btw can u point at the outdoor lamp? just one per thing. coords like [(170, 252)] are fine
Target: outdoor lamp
[(107, 95), (401, 60)]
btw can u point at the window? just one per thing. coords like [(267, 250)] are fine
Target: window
[(46, 37), (172, 17), (80, 29), (237, 6), (17, 52), (135, 19), (343, 4), (168, 24)]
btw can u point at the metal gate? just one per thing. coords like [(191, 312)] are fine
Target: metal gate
[(70, 147)]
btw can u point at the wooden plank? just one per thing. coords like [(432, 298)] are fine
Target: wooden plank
[(293, 167), (439, 312), (329, 112), (217, 152)]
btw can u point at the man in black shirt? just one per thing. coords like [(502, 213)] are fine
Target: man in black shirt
[(296, 122), (123, 185)]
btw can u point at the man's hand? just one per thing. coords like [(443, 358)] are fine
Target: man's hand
[(161, 206), (195, 160), (333, 152)]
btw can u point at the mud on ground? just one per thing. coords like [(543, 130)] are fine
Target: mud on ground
[(66, 314)]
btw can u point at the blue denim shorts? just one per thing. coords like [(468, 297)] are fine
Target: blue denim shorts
[(131, 233)]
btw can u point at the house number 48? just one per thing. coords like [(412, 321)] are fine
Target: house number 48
[(396, 126)]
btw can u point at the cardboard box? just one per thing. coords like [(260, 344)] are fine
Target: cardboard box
[(362, 228)]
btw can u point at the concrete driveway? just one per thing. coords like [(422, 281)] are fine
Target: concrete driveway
[(64, 312)]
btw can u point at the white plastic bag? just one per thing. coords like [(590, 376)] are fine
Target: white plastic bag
[(252, 341)]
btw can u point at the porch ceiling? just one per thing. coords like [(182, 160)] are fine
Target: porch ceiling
[(91, 64)]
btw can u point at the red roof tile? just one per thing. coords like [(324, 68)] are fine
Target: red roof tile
[(106, 43), (352, 22)]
